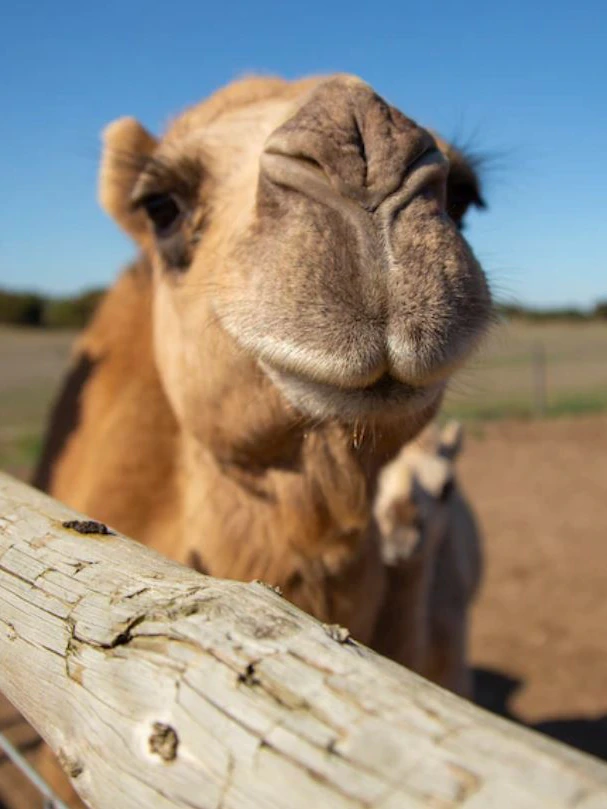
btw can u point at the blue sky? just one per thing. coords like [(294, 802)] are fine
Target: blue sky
[(524, 81)]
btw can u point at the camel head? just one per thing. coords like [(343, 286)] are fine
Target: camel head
[(415, 493), (305, 262)]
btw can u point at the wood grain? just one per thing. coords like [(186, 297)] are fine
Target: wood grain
[(160, 687)]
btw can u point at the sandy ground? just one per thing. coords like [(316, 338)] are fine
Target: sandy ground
[(539, 633)]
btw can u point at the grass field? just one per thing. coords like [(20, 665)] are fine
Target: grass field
[(32, 363), (501, 381), (498, 383)]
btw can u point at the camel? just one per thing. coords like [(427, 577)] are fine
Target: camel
[(302, 298), (431, 547)]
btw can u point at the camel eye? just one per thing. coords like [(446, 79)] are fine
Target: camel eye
[(164, 213)]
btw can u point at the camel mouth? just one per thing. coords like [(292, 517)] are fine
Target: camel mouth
[(386, 397)]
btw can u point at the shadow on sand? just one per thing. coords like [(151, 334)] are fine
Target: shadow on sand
[(494, 690)]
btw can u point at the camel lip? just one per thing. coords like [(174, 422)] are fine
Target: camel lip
[(383, 398), (388, 385)]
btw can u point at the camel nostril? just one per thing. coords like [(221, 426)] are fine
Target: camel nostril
[(305, 160), (297, 171), (276, 149), (427, 177), (437, 190)]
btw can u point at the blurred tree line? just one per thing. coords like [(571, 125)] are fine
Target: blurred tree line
[(30, 309), (597, 312)]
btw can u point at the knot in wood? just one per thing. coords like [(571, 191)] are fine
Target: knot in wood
[(248, 676), (87, 527), (164, 741), (70, 765)]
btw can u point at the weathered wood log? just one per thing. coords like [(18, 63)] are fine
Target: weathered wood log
[(159, 687)]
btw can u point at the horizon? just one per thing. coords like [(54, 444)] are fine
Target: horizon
[(522, 84), (498, 302)]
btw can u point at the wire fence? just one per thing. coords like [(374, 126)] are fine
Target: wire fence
[(534, 373), (50, 799)]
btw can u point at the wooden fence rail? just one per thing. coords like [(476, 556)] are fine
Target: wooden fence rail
[(159, 687)]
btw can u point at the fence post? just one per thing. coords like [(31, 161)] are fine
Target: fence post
[(159, 687)]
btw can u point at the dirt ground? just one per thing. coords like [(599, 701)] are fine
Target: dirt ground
[(539, 631)]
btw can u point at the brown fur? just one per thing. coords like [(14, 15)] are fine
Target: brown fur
[(256, 368)]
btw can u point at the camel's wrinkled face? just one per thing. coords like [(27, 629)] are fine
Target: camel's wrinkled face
[(300, 242)]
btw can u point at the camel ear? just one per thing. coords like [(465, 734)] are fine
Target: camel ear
[(451, 440), (126, 148), (463, 182)]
